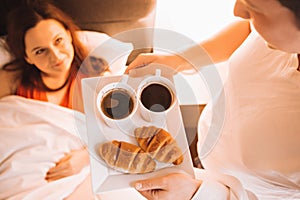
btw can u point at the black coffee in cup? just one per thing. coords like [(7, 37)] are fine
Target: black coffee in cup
[(156, 97), (117, 104)]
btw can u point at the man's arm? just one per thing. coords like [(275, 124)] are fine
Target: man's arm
[(221, 45)]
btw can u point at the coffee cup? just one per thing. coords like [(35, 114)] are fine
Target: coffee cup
[(156, 98), (117, 104)]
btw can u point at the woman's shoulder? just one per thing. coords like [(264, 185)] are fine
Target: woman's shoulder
[(9, 82)]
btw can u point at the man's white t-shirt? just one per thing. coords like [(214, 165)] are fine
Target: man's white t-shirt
[(257, 139)]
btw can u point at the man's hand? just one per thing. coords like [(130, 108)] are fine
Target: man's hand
[(171, 61), (171, 186), (72, 163)]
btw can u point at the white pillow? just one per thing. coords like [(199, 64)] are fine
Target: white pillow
[(5, 55), (114, 51)]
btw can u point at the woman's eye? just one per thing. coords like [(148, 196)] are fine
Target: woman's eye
[(40, 51), (59, 40)]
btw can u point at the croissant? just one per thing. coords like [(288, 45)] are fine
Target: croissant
[(159, 144), (126, 157)]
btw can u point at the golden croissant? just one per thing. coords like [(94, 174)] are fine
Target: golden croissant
[(159, 144), (126, 157)]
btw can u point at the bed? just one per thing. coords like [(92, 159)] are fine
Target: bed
[(32, 142)]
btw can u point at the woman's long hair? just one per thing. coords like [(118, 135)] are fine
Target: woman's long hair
[(25, 17)]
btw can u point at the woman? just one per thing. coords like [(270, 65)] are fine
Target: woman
[(48, 54), (259, 140)]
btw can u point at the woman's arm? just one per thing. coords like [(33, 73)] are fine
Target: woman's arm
[(8, 82)]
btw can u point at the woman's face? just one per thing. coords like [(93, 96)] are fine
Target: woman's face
[(48, 46), (274, 22)]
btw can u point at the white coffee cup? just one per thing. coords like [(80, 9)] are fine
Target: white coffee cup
[(156, 98), (117, 104)]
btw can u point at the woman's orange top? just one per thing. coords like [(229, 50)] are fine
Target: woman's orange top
[(71, 97)]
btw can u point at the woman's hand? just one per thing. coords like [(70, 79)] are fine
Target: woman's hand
[(171, 186), (72, 163), (94, 66)]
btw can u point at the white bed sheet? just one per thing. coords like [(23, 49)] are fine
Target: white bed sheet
[(34, 135)]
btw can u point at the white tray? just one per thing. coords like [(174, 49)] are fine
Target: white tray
[(106, 179)]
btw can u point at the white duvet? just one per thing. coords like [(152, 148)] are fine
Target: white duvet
[(34, 135)]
